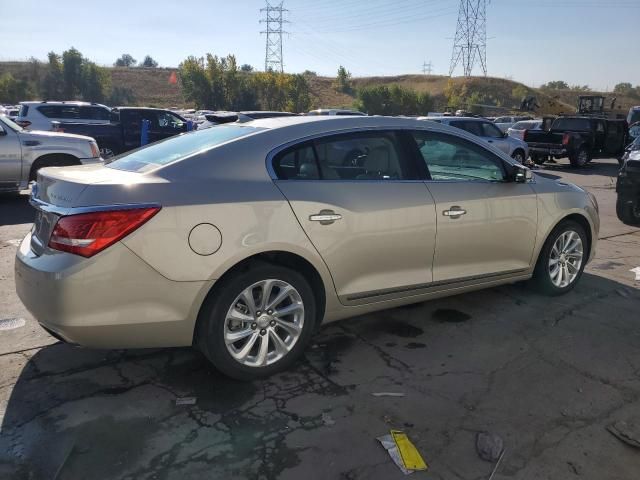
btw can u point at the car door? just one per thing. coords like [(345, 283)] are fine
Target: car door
[(10, 157), (599, 136), (486, 224), (365, 209)]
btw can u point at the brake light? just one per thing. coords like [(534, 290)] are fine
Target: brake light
[(524, 134), (23, 123), (565, 139), (86, 234)]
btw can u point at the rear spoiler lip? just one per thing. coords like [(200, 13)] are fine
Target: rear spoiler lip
[(64, 211)]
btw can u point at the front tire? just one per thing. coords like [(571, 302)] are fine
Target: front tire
[(628, 210), (518, 156), (258, 322), (562, 259)]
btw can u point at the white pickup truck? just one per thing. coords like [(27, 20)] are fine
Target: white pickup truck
[(24, 152)]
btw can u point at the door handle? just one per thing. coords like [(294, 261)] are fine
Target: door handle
[(325, 217), (454, 212)]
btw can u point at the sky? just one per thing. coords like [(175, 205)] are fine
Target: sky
[(585, 42)]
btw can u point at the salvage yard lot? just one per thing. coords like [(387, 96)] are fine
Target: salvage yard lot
[(546, 374)]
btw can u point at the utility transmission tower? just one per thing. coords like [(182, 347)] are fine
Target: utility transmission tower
[(470, 42), (427, 68), (273, 52)]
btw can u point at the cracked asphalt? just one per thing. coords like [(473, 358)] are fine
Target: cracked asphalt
[(548, 375)]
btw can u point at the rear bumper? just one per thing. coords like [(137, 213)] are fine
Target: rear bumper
[(113, 300), (548, 150)]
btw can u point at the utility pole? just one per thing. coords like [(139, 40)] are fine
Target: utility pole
[(273, 50), (427, 68), (470, 42)]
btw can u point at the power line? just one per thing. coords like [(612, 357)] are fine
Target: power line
[(470, 42), (427, 68), (274, 19)]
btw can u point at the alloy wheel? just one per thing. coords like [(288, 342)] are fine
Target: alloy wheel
[(565, 259), (264, 323)]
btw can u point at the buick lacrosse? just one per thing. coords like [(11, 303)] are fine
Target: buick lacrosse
[(242, 239)]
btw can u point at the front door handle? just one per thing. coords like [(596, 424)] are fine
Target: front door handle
[(325, 217), (454, 212)]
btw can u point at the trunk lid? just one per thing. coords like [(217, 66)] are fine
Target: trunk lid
[(60, 190)]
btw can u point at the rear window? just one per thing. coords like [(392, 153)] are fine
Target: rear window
[(177, 148), (60, 111), (523, 125), (571, 124)]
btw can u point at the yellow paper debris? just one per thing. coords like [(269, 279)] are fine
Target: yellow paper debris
[(410, 455)]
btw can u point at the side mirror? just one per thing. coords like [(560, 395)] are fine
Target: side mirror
[(522, 175)]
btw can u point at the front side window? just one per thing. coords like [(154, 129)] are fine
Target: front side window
[(352, 156), (452, 159), (490, 130), (471, 127), (170, 121)]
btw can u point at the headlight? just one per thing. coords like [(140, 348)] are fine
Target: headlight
[(95, 151)]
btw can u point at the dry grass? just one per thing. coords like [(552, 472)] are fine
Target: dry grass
[(151, 87)]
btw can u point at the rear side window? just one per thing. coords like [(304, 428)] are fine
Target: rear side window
[(453, 159), (180, 147), (352, 156), (571, 124), (471, 127), (24, 110), (66, 112), (94, 113)]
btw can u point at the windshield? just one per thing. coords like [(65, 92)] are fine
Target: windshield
[(180, 147), (571, 124), (10, 123), (634, 117)]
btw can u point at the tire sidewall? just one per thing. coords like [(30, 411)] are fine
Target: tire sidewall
[(211, 331), (521, 154), (541, 274)]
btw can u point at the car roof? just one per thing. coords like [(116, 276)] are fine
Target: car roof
[(453, 119), (63, 102)]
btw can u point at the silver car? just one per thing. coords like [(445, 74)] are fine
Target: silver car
[(243, 238), (490, 133)]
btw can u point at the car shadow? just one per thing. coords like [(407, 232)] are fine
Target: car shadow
[(15, 209), (154, 413)]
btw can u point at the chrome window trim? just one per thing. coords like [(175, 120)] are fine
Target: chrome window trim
[(271, 155)]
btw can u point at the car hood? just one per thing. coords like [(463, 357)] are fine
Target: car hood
[(556, 184), (48, 136)]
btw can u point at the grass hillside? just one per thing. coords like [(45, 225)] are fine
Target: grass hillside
[(151, 87)]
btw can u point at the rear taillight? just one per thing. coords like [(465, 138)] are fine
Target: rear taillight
[(86, 234), (23, 123), (565, 139), (524, 134)]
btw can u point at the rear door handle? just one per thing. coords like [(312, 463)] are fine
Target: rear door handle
[(325, 217), (454, 212)]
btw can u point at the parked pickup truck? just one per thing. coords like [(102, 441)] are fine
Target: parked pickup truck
[(580, 138), (24, 152), (122, 133)]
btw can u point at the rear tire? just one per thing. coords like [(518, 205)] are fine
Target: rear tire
[(628, 210), (538, 159), (52, 160), (580, 158), (227, 315), (566, 249)]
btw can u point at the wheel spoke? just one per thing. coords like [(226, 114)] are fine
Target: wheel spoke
[(571, 267), (565, 273), (282, 294), (261, 358), (233, 336), (242, 354), (291, 328), (553, 261), (247, 296), (267, 287), (238, 316), (288, 310), (280, 346)]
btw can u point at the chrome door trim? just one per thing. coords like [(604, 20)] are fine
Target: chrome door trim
[(429, 287)]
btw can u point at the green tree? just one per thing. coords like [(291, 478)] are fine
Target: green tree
[(580, 88), (95, 82), (125, 60), (149, 62), (72, 61), (52, 84), (196, 86), (13, 90), (555, 85), (121, 96), (246, 68), (394, 100), (624, 88), (343, 80), (298, 94)]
